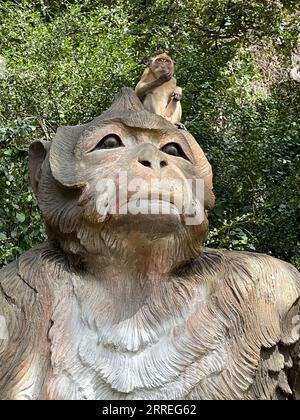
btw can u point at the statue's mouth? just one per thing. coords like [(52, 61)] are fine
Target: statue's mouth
[(153, 218), (144, 206)]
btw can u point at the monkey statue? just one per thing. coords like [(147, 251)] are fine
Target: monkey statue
[(131, 305), (158, 91)]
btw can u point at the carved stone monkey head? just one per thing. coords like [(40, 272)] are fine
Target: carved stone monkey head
[(79, 178)]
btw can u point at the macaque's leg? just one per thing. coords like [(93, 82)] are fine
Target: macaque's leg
[(173, 111), (154, 106), (177, 94)]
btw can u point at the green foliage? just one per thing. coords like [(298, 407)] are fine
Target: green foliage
[(65, 60), (21, 225)]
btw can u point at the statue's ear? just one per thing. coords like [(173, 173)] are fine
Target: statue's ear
[(37, 154)]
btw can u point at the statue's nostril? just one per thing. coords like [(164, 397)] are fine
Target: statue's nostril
[(145, 163), (163, 163)]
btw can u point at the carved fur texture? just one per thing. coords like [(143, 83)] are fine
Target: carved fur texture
[(122, 307)]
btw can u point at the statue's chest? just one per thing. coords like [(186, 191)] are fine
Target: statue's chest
[(135, 357)]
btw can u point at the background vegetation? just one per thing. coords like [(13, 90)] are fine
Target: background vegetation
[(65, 60)]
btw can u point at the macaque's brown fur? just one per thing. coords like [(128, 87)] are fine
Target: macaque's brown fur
[(158, 91)]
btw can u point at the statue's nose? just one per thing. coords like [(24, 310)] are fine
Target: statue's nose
[(151, 157)]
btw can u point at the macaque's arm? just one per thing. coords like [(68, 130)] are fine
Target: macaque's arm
[(148, 83)]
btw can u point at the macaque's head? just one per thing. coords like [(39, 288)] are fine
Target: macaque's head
[(128, 178), (161, 64)]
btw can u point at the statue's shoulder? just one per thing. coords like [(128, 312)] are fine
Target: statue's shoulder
[(26, 303), (256, 299), (272, 278), (250, 274), (33, 273)]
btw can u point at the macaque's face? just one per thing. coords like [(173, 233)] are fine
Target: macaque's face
[(162, 64)]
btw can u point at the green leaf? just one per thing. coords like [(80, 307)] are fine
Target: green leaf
[(21, 217), (3, 236)]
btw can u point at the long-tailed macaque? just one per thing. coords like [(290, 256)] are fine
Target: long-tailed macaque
[(158, 91)]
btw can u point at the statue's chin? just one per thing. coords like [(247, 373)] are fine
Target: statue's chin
[(153, 218)]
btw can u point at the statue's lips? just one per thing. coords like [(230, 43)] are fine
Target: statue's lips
[(153, 218), (149, 206)]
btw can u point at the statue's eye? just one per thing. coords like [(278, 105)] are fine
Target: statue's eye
[(112, 141), (174, 149)]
